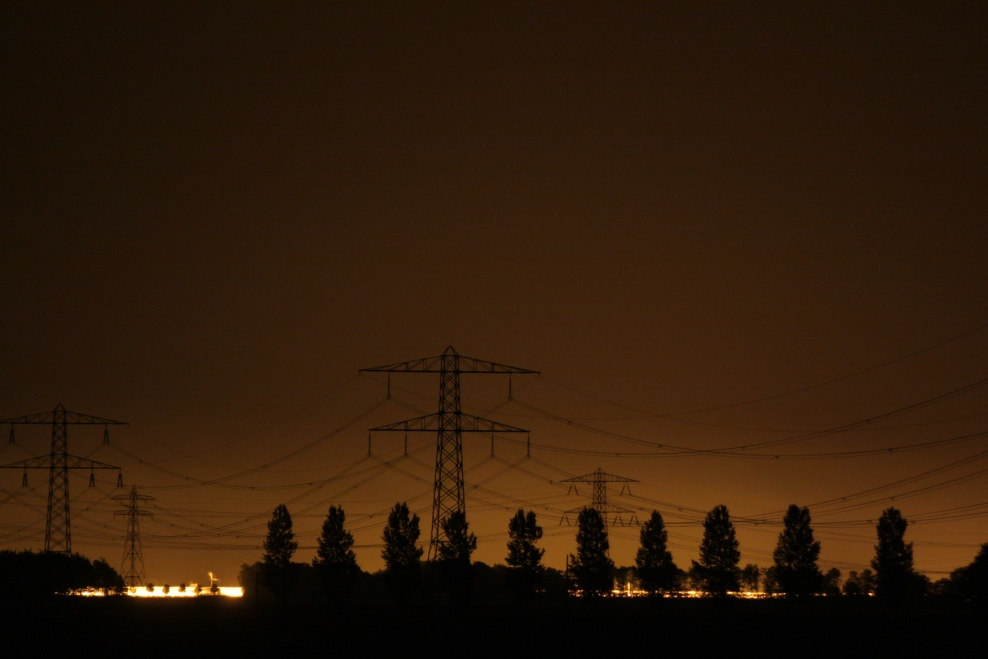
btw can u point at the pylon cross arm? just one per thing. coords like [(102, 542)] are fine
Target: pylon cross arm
[(435, 365), (73, 418), (430, 423), (71, 462)]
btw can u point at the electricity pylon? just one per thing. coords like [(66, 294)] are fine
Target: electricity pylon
[(598, 501), (448, 423), (133, 558), (58, 530)]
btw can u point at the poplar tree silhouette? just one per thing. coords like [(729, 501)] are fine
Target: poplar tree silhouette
[(401, 553), (335, 562), (454, 555), (280, 544), (796, 553), (592, 568), (279, 547), (524, 556), (656, 570), (719, 554), (895, 578)]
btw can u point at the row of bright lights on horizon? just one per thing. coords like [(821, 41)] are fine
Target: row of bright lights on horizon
[(236, 592), (194, 590)]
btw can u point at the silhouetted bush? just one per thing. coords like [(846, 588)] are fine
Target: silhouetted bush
[(31, 575), (970, 583)]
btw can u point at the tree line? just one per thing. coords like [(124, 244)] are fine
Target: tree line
[(334, 573), (27, 575)]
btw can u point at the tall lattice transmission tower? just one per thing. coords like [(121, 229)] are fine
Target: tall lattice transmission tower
[(612, 515), (58, 528), (449, 424), (133, 558)]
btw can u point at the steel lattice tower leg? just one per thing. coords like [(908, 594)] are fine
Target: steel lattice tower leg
[(58, 536), (447, 491), (599, 500)]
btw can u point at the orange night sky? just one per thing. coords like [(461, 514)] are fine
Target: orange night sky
[(744, 246)]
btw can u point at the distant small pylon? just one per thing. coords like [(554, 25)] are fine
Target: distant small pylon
[(133, 558), (612, 515)]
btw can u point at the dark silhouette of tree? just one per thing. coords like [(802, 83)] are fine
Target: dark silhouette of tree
[(459, 543), (27, 575), (769, 583), (694, 578), (523, 533), (831, 582), (454, 555), (524, 556), (280, 544), (795, 556), (657, 573), (402, 555), (106, 579), (868, 581), (893, 562), (335, 562), (751, 576), (859, 584), (970, 583), (719, 554), (279, 547), (592, 567)]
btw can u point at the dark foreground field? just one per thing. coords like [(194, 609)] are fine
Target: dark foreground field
[(219, 627)]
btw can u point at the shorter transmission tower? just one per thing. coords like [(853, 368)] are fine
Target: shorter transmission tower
[(58, 528), (133, 558), (613, 515)]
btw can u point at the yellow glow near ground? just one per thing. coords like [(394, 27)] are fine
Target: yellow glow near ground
[(159, 591), (190, 591)]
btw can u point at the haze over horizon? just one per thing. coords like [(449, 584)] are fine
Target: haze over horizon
[(744, 247)]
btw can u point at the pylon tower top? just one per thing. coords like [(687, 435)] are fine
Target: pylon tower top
[(449, 424), (58, 462)]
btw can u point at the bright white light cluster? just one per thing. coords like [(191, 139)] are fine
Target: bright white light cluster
[(190, 591), (159, 591)]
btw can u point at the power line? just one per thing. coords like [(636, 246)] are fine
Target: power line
[(223, 481), (647, 414), (664, 449)]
